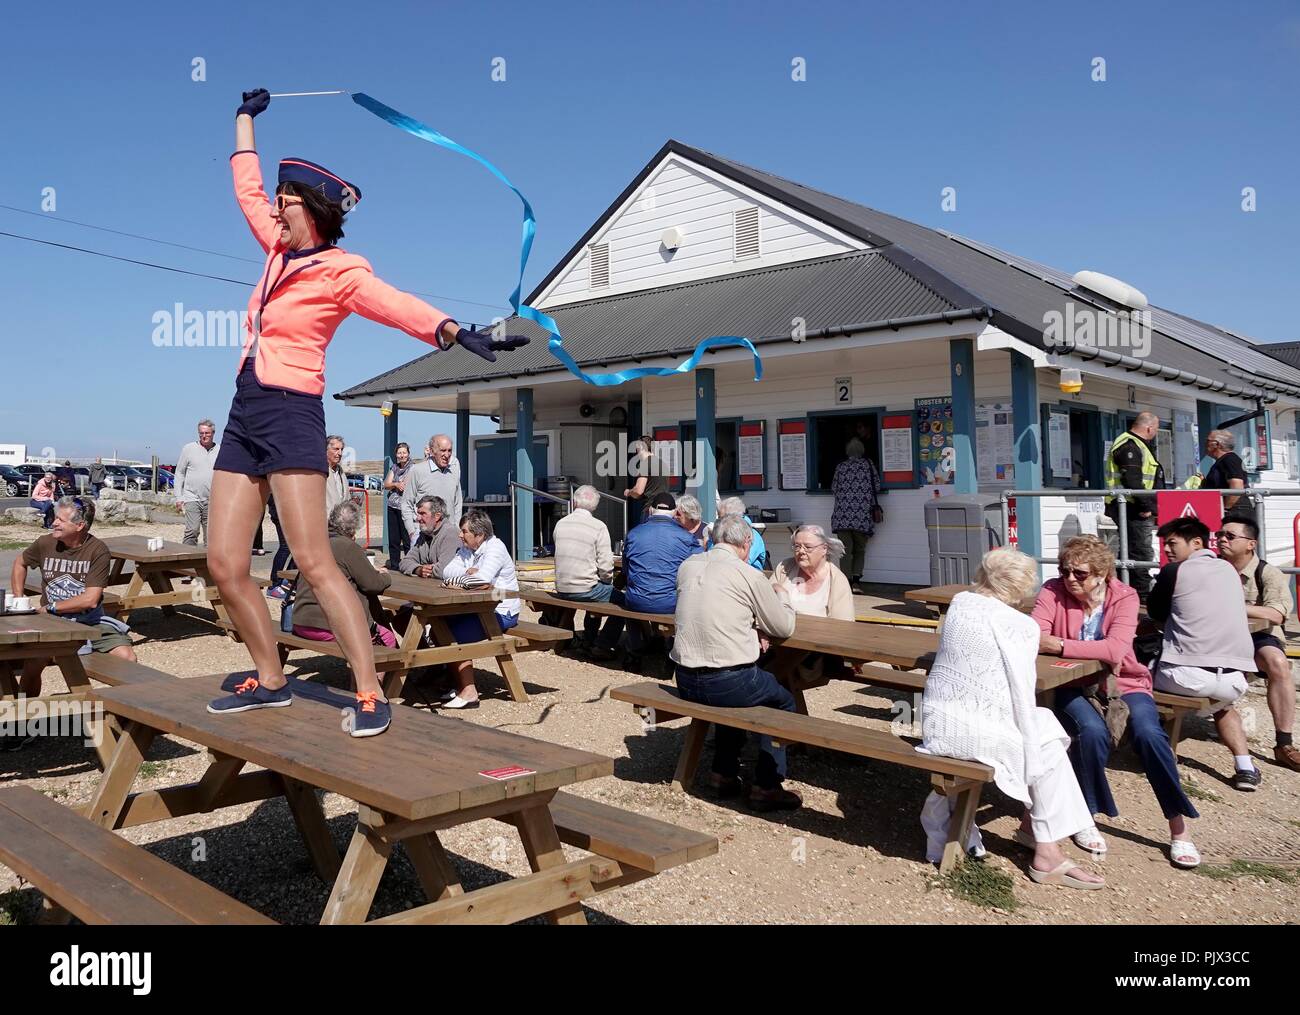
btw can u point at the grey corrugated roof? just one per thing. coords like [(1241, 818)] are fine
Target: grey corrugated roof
[(1286, 352), (1017, 293), (863, 287)]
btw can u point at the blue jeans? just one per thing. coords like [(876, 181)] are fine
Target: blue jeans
[(281, 559), (467, 627), (598, 593), (1090, 749), (46, 508), (399, 540), (739, 687), (613, 629)]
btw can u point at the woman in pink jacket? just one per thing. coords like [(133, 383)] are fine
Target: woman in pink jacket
[(1088, 613), (274, 441)]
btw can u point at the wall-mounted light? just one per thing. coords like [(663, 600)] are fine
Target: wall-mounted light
[(386, 409), (1071, 381)]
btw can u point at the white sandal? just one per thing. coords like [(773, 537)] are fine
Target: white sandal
[(1183, 853), (1090, 839)]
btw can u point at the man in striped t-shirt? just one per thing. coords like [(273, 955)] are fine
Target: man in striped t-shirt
[(584, 559)]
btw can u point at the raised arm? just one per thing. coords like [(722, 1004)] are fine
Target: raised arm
[(247, 171)]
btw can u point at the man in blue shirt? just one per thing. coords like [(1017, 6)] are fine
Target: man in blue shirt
[(652, 553)]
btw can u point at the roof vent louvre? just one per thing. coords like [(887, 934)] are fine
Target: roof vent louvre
[(746, 233), (598, 254)]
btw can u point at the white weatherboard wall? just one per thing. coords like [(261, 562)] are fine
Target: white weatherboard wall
[(679, 193), (888, 377)]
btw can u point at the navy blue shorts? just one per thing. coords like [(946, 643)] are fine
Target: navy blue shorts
[(271, 429)]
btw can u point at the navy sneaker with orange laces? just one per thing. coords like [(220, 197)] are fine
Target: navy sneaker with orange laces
[(251, 694)]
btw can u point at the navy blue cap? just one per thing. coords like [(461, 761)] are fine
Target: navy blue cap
[(334, 188)]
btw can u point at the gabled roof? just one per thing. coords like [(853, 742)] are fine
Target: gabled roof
[(912, 266), (862, 288)]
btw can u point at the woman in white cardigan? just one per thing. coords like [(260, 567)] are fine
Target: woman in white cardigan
[(979, 706)]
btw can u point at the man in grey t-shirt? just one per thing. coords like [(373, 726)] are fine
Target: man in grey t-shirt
[(194, 481)]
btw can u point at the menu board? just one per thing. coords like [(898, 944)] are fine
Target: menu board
[(994, 443), (1058, 445), (936, 456), (794, 455), (897, 464), (1187, 454)]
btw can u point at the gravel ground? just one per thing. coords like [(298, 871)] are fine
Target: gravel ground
[(853, 853)]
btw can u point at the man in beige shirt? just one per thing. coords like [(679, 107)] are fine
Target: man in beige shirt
[(584, 557), (722, 605), (1268, 598)]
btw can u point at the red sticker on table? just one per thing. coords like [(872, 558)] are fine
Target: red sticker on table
[(509, 772), (1063, 666)]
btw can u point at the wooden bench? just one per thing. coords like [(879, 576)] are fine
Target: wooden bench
[(115, 672), (960, 780), (628, 847), (88, 872), (531, 637), (1173, 708), (549, 601)]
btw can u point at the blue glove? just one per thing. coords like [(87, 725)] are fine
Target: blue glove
[(254, 102), (482, 343)]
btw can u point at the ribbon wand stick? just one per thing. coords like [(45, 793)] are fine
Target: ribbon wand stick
[(290, 95)]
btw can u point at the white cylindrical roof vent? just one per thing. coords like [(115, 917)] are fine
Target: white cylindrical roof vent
[(1111, 288)]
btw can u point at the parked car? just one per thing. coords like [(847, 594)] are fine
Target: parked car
[(165, 479), (13, 482), (124, 477)]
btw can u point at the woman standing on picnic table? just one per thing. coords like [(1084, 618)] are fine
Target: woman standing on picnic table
[(275, 438), (979, 705), (1088, 613)]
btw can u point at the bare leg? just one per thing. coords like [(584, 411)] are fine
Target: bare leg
[(1231, 732), (123, 652), (1281, 687), (234, 511), (465, 681), (300, 502), (30, 681)]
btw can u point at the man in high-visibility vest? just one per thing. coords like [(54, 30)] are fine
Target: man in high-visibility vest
[(1132, 465)]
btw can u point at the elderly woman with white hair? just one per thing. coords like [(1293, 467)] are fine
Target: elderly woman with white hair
[(308, 617), (816, 588), (979, 706), (690, 515), (757, 547)]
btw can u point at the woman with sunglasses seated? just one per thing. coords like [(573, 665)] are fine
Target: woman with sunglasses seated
[(1088, 613)]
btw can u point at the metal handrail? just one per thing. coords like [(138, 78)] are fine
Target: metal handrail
[(1122, 495), (568, 502)]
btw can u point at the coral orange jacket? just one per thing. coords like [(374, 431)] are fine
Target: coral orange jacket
[(301, 299)]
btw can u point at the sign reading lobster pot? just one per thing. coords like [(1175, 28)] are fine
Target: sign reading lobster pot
[(958, 536)]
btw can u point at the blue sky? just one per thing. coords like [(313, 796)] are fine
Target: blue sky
[(1139, 176)]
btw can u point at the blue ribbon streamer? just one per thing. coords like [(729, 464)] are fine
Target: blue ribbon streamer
[(544, 321)]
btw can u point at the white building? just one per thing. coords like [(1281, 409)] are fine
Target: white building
[(860, 317)]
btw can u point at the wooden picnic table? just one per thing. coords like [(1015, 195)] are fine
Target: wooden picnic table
[(940, 597), (44, 637), (895, 647), (156, 569), (431, 603), (426, 774)]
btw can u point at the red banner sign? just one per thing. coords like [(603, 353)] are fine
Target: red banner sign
[(1205, 505)]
